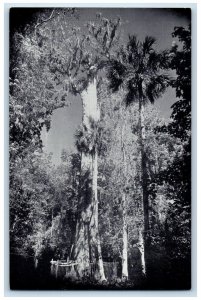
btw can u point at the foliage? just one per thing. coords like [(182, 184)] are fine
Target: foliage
[(181, 63), (137, 67), (177, 174), (31, 183)]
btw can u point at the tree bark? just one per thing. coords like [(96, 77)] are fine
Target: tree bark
[(124, 209), (87, 242), (95, 195), (144, 181), (142, 252), (125, 240)]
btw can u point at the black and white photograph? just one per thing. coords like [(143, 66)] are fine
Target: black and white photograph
[(100, 148)]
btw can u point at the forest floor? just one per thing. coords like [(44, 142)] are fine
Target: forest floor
[(23, 276)]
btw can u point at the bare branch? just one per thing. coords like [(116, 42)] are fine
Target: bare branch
[(46, 20)]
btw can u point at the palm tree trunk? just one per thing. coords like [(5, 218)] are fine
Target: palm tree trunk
[(144, 179)]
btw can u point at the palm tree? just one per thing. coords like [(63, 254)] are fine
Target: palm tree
[(138, 68)]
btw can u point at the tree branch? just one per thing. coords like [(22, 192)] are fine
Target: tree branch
[(46, 20)]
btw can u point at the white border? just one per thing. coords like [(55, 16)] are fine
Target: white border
[(4, 73)]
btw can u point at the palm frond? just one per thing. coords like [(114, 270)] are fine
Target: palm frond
[(164, 59), (138, 67), (157, 86), (132, 93), (153, 61), (116, 74), (133, 43), (132, 49), (147, 45), (158, 61)]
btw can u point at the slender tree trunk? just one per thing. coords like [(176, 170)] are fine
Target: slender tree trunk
[(144, 181), (141, 248), (124, 209), (52, 226), (87, 245), (125, 240)]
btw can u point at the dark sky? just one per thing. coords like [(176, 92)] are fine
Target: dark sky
[(156, 22)]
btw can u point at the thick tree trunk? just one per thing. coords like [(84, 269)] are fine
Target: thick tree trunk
[(144, 181), (87, 243), (96, 233), (82, 251)]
